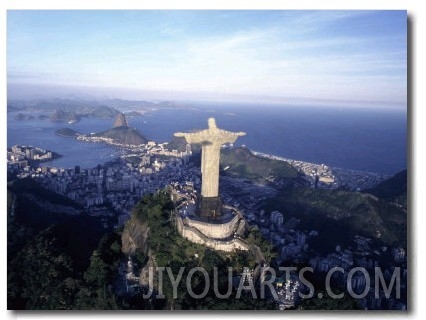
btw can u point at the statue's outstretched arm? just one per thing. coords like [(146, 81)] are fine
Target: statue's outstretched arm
[(180, 134), (230, 137), (192, 137)]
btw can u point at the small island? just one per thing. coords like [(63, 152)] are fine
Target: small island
[(22, 116), (66, 132)]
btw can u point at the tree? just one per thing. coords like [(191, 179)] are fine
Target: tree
[(39, 270), (97, 273)]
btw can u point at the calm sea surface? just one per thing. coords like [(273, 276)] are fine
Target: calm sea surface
[(369, 140)]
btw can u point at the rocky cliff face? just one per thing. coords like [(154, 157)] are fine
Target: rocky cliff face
[(147, 277), (120, 120), (134, 238), (122, 133), (135, 235)]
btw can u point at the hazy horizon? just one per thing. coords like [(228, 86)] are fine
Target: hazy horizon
[(39, 93), (354, 58)]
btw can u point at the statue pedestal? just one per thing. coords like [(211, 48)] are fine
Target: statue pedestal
[(209, 207)]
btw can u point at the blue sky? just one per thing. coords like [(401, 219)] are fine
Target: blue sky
[(347, 56)]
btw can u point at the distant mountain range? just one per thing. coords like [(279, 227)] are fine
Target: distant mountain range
[(86, 107), (73, 110)]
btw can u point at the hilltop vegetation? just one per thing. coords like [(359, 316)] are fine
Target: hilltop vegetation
[(242, 163), (393, 189), (37, 207), (344, 214), (167, 248), (50, 252), (72, 264)]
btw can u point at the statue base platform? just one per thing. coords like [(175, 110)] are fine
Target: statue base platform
[(209, 207)]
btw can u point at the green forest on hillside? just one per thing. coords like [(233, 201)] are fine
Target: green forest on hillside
[(242, 163), (57, 266), (343, 214)]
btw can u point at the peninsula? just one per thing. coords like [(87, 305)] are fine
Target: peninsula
[(120, 135)]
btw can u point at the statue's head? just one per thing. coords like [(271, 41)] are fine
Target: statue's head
[(212, 123)]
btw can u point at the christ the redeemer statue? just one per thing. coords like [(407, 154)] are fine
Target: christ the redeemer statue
[(211, 140)]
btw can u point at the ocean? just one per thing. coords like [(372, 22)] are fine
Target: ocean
[(359, 139)]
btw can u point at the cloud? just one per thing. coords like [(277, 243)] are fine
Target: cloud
[(291, 55)]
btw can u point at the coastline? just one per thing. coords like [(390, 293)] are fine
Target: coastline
[(322, 175)]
